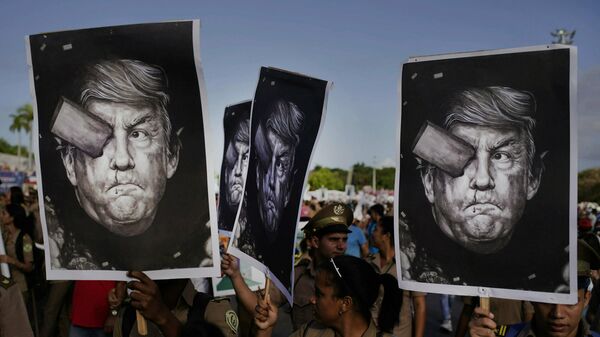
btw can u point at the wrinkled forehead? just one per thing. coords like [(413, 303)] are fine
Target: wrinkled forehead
[(476, 134), (277, 142), (127, 113)]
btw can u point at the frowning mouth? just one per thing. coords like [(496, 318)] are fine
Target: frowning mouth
[(476, 207), (122, 188)]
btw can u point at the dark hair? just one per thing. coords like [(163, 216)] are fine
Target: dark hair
[(387, 226), (16, 195), (354, 277), (377, 208), (18, 214)]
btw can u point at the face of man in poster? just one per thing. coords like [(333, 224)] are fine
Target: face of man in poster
[(480, 208), (276, 146), (237, 157), (121, 189)]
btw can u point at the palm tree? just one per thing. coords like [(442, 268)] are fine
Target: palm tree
[(22, 121), (26, 113)]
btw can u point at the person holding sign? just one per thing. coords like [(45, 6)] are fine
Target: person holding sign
[(327, 233), (346, 288), (549, 320)]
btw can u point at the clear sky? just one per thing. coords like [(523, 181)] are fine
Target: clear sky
[(359, 45)]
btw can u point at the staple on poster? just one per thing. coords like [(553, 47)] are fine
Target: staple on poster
[(176, 255), (404, 103), (456, 279), (438, 75), (42, 47), (67, 46), (532, 276), (37, 77), (414, 75), (105, 264), (48, 199)]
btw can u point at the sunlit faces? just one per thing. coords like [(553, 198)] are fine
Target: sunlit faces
[(560, 320), (237, 155), (122, 188), (274, 181), (479, 210)]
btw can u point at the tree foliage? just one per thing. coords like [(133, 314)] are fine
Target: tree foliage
[(362, 175), (6, 147), (588, 185)]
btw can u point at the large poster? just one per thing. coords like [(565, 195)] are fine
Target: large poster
[(123, 180), (285, 121), (486, 177)]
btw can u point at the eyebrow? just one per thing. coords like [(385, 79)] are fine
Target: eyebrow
[(140, 120), (511, 141)]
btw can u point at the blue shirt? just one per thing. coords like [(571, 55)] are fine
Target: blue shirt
[(356, 238), (370, 229)]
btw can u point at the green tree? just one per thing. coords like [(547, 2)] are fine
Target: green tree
[(26, 113), (325, 177), (588, 185)]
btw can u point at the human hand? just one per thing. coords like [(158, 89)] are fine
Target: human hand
[(109, 324), (116, 295), (146, 298), (265, 313), (482, 323), (230, 265), (7, 259)]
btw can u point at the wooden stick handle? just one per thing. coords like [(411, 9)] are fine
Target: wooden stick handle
[(267, 288), (142, 328), (484, 303)]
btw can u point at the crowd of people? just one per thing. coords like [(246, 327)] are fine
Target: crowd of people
[(345, 285)]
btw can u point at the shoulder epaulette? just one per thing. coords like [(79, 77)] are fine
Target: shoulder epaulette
[(6, 282)]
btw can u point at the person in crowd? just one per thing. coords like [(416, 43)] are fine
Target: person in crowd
[(549, 320), (326, 233), (346, 288), (172, 308), (357, 244), (376, 212), (18, 244), (446, 305), (13, 313), (90, 312), (506, 312), (384, 262)]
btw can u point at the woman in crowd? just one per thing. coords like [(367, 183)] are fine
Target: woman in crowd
[(19, 246), (345, 289)]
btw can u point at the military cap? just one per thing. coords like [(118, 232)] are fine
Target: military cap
[(333, 218)]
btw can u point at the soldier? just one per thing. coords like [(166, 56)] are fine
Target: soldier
[(327, 233), (552, 320), (13, 315)]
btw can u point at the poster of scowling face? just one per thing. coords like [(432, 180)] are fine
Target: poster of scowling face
[(286, 117), (486, 176), (236, 154), (122, 159)]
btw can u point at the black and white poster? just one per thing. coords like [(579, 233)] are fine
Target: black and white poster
[(236, 154), (123, 170), (286, 117), (486, 177)]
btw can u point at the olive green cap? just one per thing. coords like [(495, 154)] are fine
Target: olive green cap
[(333, 218)]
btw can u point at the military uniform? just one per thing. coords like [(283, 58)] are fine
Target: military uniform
[(215, 311), (405, 326), (13, 315), (304, 289), (314, 329), (526, 330)]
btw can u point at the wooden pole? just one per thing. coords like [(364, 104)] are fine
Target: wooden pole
[(484, 303), (142, 328), (267, 289)]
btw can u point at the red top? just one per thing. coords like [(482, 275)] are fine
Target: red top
[(90, 303)]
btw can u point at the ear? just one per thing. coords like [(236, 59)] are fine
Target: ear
[(535, 176), (314, 240), (427, 180), (347, 303), (68, 158), (172, 162)]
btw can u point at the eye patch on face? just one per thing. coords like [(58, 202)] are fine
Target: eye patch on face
[(442, 149), (80, 128)]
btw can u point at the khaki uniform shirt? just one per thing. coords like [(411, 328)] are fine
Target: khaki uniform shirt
[(13, 315), (313, 329), (404, 327), (17, 275)]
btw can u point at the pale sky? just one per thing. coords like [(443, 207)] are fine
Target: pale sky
[(359, 45)]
